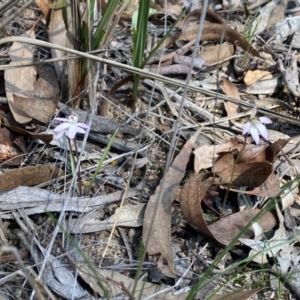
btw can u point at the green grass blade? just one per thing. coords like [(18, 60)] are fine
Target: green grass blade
[(140, 39), (91, 12), (102, 159), (141, 33), (99, 33)]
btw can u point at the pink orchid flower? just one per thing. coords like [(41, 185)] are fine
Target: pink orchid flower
[(70, 127), (256, 126)]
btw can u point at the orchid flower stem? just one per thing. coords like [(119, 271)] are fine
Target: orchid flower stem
[(73, 162), (79, 174), (231, 179)]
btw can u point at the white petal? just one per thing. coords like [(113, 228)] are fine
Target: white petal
[(72, 131), (62, 119), (83, 125), (62, 126), (265, 120), (246, 128), (254, 133), (80, 130), (59, 134), (262, 130)]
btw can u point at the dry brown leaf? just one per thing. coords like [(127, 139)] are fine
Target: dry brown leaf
[(20, 80), (270, 188), (205, 156), (43, 6), (191, 196), (46, 95), (253, 153), (28, 176), (262, 251), (11, 148), (241, 295), (278, 13), (12, 125), (264, 87), (194, 16), (157, 220), (225, 160), (216, 53), (232, 91), (246, 174), (226, 229), (46, 92), (217, 32), (256, 75), (114, 283), (165, 127)]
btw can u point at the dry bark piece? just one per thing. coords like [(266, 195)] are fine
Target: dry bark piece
[(56, 275), (35, 200), (157, 220), (282, 30), (130, 216), (32, 175), (260, 23), (57, 35), (168, 70), (264, 87), (198, 63), (289, 71)]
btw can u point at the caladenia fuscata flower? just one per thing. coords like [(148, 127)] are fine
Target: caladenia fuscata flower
[(256, 126), (70, 127)]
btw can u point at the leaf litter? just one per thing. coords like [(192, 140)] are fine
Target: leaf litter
[(196, 211)]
